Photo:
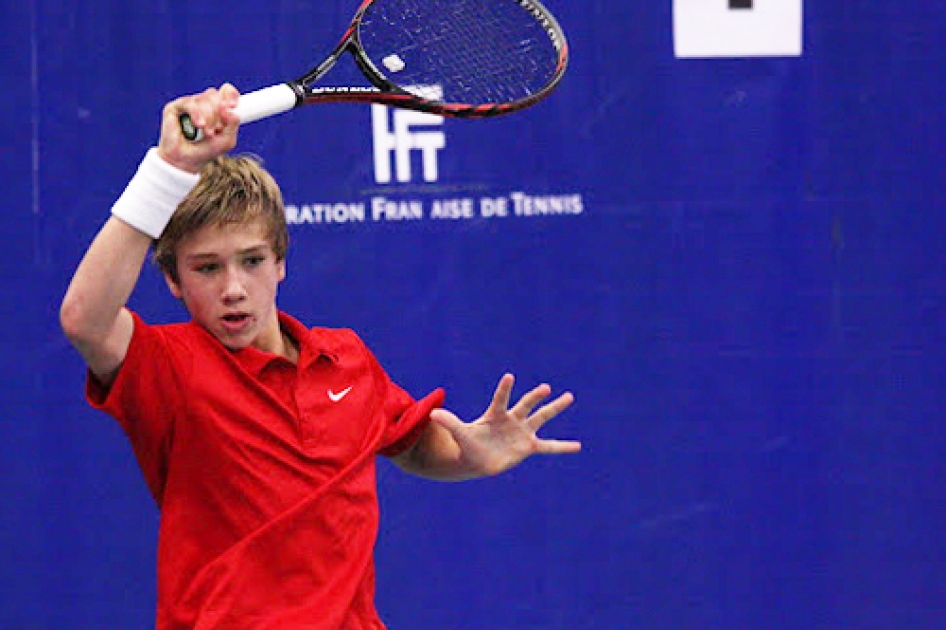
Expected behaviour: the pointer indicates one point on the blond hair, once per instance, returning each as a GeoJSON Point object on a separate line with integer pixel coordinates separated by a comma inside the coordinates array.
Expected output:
{"type": "Point", "coordinates": [233, 190]}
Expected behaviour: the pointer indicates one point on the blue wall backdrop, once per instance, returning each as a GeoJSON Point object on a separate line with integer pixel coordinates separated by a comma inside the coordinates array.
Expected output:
{"type": "Point", "coordinates": [741, 278]}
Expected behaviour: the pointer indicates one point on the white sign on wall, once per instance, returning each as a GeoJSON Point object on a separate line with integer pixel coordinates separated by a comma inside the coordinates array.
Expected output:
{"type": "Point", "coordinates": [737, 28]}
{"type": "Point", "coordinates": [403, 133]}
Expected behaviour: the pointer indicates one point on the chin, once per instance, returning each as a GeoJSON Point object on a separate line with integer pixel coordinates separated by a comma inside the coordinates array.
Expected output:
{"type": "Point", "coordinates": [231, 342]}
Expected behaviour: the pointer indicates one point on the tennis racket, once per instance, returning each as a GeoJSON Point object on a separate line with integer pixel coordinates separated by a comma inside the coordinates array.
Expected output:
{"type": "Point", "coordinates": [456, 58]}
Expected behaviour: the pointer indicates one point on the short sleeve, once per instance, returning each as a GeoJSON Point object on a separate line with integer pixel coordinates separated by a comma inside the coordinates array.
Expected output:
{"type": "Point", "coordinates": [144, 399]}
{"type": "Point", "coordinates": [404, 417]}
{"type": "Point", "coordinates": [406, 428]}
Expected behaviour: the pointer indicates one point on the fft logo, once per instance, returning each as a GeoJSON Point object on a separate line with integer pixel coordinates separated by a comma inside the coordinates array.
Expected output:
{"type": "Point", "coordinates": [737, 28]}
{"type": "Point", "coordinates": [405, 134]}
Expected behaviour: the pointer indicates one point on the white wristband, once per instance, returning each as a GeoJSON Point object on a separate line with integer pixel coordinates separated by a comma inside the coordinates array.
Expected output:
{"type": "Point", "coordinates": [153, 194]}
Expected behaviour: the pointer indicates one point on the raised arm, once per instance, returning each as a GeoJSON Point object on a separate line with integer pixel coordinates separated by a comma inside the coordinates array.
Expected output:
{"type": "Point", "coordinates": [93, 314]}
{"type": "Point", "coordinates": [452, 450]}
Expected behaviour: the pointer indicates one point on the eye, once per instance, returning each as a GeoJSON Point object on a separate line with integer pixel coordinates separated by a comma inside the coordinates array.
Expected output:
{"type": "Point", "coordinates": [207, 268]}
{"type": "Point", "coordinates": [253, 261]}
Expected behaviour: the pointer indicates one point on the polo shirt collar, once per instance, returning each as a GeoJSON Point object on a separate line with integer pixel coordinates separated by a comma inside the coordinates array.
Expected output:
{"type": "Point", "coordinates": [313, 346]}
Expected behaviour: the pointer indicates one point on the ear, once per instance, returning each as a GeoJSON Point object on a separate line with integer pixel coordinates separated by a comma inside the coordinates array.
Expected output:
{"type": "Point", "coordinates": [173, 286]}
{"type": "Point", "coordinates": [281, 269]}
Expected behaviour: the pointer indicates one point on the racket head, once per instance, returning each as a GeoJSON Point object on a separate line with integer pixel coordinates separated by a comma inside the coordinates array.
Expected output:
{"type": "Point", "coordinates": [457, 58]}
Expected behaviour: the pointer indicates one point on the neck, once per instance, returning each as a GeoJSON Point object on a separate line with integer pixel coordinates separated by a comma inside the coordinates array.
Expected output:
{"type": "Point", "coordinates": [290, 350]}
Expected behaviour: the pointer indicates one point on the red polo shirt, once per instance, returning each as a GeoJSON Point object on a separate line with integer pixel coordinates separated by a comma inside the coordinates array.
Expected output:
{"type": "Point", "coordinates": [264, 472]}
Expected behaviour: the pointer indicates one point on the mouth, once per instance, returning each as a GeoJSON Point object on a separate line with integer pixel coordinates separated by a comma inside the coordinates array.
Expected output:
{"type": "Point", "coordinates": [235, 322]}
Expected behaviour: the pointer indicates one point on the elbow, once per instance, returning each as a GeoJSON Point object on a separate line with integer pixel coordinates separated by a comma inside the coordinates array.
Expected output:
{"type": "Point", "coordinates": [70, 318]}
{"type": "Point", "coordinates": [75, 321]}
{"type": "Point", "coordinates": [94, 336]}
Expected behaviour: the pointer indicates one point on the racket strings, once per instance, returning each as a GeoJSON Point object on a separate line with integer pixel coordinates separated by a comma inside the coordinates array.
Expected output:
{"type": "Point", "coordinates": [469, 51]}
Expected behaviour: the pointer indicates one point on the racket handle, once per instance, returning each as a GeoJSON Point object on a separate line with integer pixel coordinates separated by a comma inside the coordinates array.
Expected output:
{"type": "Point", "coordinates": [252, 106]}
{"type": "Point", "coordinates": [267, 102]}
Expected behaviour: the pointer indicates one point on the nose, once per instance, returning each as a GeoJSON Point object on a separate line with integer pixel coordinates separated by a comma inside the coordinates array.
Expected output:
{"type": "Point", "coordinates": [234, 289]}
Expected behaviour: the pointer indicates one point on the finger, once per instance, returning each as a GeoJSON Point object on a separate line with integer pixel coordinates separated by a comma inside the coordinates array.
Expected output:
{"type": "Point", "coordinates": [201, 108]}
{"type": "Point", "coordinates": [500, 400]}
{"type": "Point", "coordinates": [447, 419]}
{"type": "Point", "coordinates": [229, 93]}
{"type": "Point", "coordinates": [230, 97]}
{"type": "Point", "coordinates": [173, 110]}
{"type": "Point", "coordinates": [212, 109]}
{"type": "Point", "coordinates": [528, 402]}
{"type": "Point", "coordinates": [549, 411]}
{"type": "Point", "coordinates": [558, 447]}
{"type": "Point", "coordinates": [217, 110]}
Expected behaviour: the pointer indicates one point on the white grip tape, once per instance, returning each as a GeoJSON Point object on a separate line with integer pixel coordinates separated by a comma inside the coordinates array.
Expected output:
{"type": "Point", "coordinates": [153, 194]}
{"type": "Point", "coordinates": [267, 102]}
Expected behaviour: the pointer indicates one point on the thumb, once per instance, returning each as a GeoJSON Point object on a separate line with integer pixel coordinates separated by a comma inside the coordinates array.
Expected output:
{"type": "Point", "coordinates": [447, 420]}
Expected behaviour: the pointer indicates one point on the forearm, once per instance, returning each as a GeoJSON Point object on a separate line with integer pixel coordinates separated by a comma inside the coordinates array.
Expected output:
{"type": "Point", "coordinates": [436, 455]}
{"type": "Point", "coordinates": [92, 314]}
{"type": "Point", "coordinates": [103, 281]}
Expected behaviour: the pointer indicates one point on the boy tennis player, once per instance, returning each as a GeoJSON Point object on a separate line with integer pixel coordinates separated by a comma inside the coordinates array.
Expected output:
{"type": "Point", "coordinates": [256, 435]}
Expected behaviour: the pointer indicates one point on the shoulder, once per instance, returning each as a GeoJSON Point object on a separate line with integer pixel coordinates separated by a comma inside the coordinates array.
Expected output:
{"type": "Point", "coordinates": [338, 342]}
{"type": "Point", "coordinates": [334, 342]}
{"type": "Point", "coordinates": [177, 338]}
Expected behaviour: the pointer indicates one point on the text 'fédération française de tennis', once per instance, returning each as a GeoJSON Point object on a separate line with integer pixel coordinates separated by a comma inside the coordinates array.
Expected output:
{"type": "Point", "coordinates": [381, 208]}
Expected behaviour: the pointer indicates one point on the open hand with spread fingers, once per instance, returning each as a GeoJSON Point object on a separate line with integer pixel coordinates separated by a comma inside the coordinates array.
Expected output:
{"type": "Point", "coordinates": [504, 436]}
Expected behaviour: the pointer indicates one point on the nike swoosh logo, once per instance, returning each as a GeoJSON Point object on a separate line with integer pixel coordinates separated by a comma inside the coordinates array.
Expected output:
{"type": "Point", "coordinates": [335, 397]}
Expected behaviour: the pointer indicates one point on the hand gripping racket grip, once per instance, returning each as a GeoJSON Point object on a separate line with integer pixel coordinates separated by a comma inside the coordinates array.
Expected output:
{"type": "Point", "coordinates": [252, 106]}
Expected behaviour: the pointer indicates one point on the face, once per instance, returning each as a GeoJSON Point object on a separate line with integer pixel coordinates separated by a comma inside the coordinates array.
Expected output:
{"type": "Point", "coordinates": [228, 280]}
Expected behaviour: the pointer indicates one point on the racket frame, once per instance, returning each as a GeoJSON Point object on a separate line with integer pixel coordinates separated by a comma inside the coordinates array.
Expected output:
{"type": "Point", "coordinates": [282, 97]}
{"type": "Point", "coordinates": [386, 92]}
